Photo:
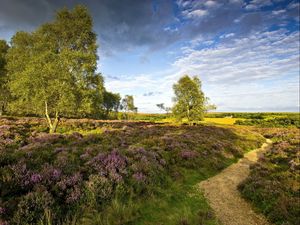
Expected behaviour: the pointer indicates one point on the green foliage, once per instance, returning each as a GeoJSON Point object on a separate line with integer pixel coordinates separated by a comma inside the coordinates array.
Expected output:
{"type": "Point", "coordinates": [151, 117]}
{"type": "Point", "coordinates": [247, 115]}
{"type": "Point", "coordinates": [273, 185]}
{"type": "Point", "coordinates": [189, 99]}
{"type": "Point", "coordinates": [54, 67]}
{"type": "Point", "coordinates": [127, 105]}
{"type": "Point", "coordinates": [4, 92]}
{"type": "Point", "coordinates": [32, 207]}
{"type": "Point", "coordinates": [100, 188]}
{"type": "Point", "coordinates": [208, 106]}
{"type": "Point", "coordinates": [286, 121]}
{"type": "Point", "coordinates": [111, 103]}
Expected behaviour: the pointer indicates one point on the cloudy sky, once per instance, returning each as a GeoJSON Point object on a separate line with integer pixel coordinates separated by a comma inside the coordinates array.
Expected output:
{"type": "Point", "coordinates": [246, 52]}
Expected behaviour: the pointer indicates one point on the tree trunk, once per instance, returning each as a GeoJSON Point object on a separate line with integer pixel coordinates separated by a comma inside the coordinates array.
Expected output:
{"type": "Point", "coordinates": [188, 115]}
{"type": "Point", "coordinates": [52, 125]}
{"type": "Point", "coordinates": [55, 123]}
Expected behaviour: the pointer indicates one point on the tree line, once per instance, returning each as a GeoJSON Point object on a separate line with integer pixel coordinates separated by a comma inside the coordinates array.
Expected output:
{"type": "Point", "coordinates": [51, 72]}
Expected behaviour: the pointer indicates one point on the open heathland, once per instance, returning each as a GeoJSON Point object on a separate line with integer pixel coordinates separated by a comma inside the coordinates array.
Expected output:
{"type": "Point", "coordinates": [112, 172]}
{"type": "Point", "coordinates": [273, 185]}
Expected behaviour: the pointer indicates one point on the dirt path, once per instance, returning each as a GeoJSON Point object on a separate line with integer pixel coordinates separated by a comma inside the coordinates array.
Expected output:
{"type": "Point", "coordinates": [223, 196]}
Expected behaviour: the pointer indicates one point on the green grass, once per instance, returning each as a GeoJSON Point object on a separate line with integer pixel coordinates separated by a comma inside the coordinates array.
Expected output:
{"type": "Point", "coordinates": [181, 203]}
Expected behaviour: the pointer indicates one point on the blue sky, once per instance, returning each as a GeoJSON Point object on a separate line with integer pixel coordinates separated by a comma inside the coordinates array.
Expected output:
{"type": "Point", "coordinates": [245, 52]}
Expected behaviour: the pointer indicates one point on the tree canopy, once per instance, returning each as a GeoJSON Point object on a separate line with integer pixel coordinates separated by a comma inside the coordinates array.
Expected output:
{"type": "Point", "coordinates": [4, 93]}
{"type": "Point", "coordinates": [111, 102]}
{"type": "Point", "coordinates": [189, 99]}
{"type": "Point", "coordinates": [52, 70]}
{"type": "Point", "coordinates": [127, 105]}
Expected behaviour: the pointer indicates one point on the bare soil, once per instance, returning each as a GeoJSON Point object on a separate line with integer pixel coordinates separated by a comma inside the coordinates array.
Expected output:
{"type": "Point", "coordinates": [222, 193]}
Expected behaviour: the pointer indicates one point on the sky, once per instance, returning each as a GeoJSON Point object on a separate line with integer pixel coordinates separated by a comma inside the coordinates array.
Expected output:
{"type": "Point", "coordinates": [246, 52]}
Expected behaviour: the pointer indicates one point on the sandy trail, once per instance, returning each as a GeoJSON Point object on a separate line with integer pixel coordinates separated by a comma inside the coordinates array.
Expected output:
{"type": "Point", "coordinates": [223, 196]}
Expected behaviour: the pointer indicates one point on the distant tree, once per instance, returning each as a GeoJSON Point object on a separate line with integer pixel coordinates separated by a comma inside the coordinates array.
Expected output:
{"type": "Point", "coordinates": [162, 106]}
{"type": "Point", "coordinates": [127, 105]}
{"type": "Point", "coordinates": [168, 109]}
{"type": "Point", "coordinates": [111, 102]}
{"type": "Point", "coordinates": [4, 92]}
{"type": "Point", "coordinates": [189, 99]}
{"type": "Point", "coordinates": [52, 70]}
{"type": "Point", "coordinates": [208, 106]}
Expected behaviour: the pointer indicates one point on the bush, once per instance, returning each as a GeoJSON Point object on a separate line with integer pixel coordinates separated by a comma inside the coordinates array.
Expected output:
{"type": "Point", "coordinates": [275, 122]}
{"type": "Point", "coordinates": [32, 207]}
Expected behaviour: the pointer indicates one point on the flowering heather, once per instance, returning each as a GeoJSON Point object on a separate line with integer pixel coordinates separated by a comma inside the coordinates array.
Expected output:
{"type": "Point", "coordinates": [35, 178]}
{"type": "Point", "coordinates": [273, 184]}
{"type": "Point", "coordinates": [187, 154]}
{"type": "Point", "coordinates": [2, 210]}
{"type": "Point", "coordinates": [4, 130]}
{"type": "Point", "coordinates": [62, 173]}
{"type": "Point", "coordinates": [46, 138]}
{"type": "Point", "coordinates": [74, 195]}
{"type": "Point", "coordinates": [50, 174]}
{"type": "Point", "coordinates": [60, 149]}
{"type": "Point", "coordinates": [112, 165]}
{"type": "Point", "coordinates": [139, 177]}
{"type": "Point", "coordinates": [69, 181]}
{"type": "Point", "coordinates": [100, 187]}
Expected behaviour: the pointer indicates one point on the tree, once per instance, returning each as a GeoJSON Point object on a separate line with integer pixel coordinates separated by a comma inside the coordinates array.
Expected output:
{"type": "Point", "coordinates": [127, 105]}
{"type": "Point", "coordinates": [4, 92]}
{"type": "Point", "coordinates": [208, 106]}
{"type": "Point", "coordinates": [111, 102]}
{"type": "Point", "coordinates": [52, 70]}
{"type": "Point", "coordinates": [189, 99]}
{"type": "Point", "coordinates": [162, 106]}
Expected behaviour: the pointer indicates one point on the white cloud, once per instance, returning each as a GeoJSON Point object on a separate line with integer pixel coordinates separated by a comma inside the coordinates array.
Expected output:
{"type": "Point", "coordinates": [227, 35]}
{"type": "Point", "coordinates": [256, 4]}
{"type": "Point", "coordinates": [210, 3]}
{"type": "Point", "coordinates": [196, 13]}
{"type": "Point", "coordinates": [234, 73]}
{"type": "Point", "coordinates": [255, 73]}
{"type": "Point", "coordinates": [262, 55]}
{"type": "Point", "coordinates": [278, 12]}
{"type": "Point", "coordinates": [283, 95]}
{"type": "Point", "coordinates": [293, 5]}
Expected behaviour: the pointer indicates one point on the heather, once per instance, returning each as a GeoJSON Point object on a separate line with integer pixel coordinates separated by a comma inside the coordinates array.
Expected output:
{"type": "Point", "coordinates": [273, 186]}
{"type": "Point", "coordinates": [100, 172]}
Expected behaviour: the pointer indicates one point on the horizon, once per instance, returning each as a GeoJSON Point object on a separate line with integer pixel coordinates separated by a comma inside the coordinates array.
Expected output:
{"type": "Point", "coordinates": [246, 53]}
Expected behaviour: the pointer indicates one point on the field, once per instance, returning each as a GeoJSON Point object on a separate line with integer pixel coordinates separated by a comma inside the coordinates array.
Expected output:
{"type": "Point", "coordinates": [138, 172]}
{"type": "Point", "coordinates": [247, 119]}
{"type": "Point", "coordinates": [226, 120]}
{"type": "Point", "coordinates": [127, 173]}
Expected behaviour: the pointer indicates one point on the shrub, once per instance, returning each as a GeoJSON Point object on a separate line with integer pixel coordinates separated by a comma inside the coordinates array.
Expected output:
{"type": "Point", "coordinates": [32, 206]}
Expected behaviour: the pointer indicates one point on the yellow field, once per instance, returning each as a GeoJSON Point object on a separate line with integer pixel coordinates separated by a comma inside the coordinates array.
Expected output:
{"type": "Point", "coordinates": [228, 120]}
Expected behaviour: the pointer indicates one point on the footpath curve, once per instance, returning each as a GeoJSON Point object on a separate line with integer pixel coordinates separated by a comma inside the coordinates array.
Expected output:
{"type": "Point", "coordinates": [223, 196]}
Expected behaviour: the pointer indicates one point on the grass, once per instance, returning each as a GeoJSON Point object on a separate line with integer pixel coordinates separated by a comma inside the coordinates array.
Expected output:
{"type": "Point", "coordinates": [181, 203]}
